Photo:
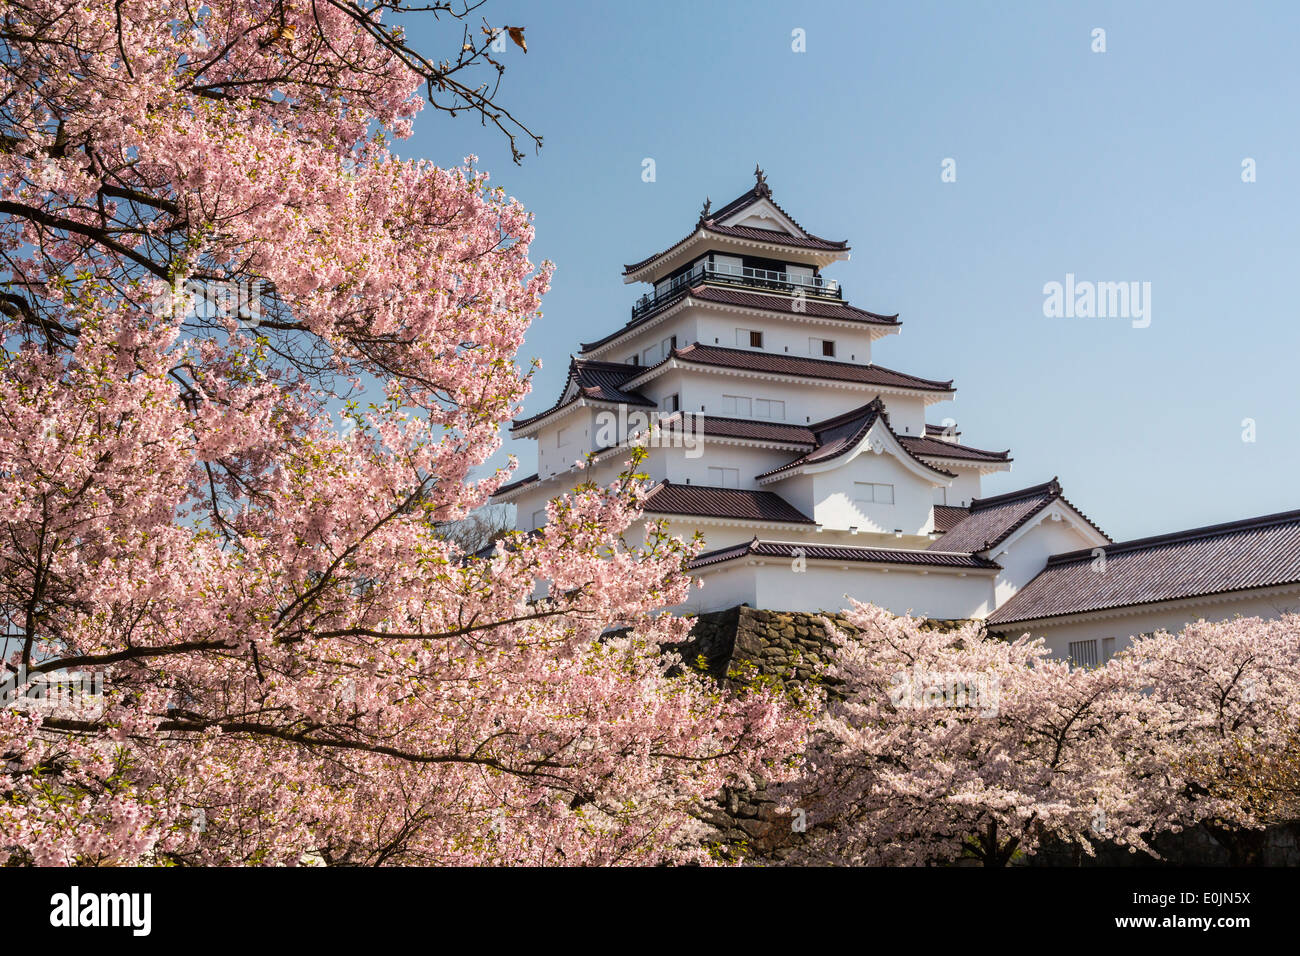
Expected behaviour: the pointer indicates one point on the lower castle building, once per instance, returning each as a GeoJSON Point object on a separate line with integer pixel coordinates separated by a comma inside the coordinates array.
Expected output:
{"type": "Point", "coordinates": [814, 474]}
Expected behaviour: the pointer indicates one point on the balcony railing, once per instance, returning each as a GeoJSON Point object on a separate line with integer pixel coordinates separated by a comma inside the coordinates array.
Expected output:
{"type": "Point", "coordinates": [738, 276]}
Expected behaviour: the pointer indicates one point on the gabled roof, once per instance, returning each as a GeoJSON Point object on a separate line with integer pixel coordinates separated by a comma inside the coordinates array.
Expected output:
{"type": "Point", "coordinates": [814, 552]}
{"type": "Point", "coordinates": [992, 520]}
{"type": "Point", "coordinates": [709, 502]}
{"type": "Point", "coordinates": [595, 381]}
{"type": "Point", "coordinates": [1217, 559]}
{"type": "Point", "coordinates": [771, 363]}
{"type": "Point", "coordinates": [841, 434]}
{"type": "Point", "coordinates": [768, 302]}
{"type": "Point", "coordinates": [760, 191]}
{"type": "Point", "coordinates": [712, 222]}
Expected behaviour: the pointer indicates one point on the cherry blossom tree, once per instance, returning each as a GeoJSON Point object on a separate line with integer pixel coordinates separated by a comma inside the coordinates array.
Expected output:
{"type": "Point", "coordinates": [1229, 699]}
{"type": "Point", "coordinates": [938, 744]}
{"type": "Point", "coordinates": [250, 362]}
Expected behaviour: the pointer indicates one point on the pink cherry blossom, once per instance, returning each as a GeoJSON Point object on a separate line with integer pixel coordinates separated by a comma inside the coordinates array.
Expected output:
{"type": "Point", "coordinates": [211, 253]}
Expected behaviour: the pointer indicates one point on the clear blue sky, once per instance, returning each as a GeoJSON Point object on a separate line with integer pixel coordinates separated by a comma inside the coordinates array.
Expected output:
{"type": "Point", "coordinates": [1115, 166]}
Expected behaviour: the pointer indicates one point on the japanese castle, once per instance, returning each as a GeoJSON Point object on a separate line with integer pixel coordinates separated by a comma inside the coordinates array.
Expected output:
{"type": "Point", "coordinates": [814, 473]}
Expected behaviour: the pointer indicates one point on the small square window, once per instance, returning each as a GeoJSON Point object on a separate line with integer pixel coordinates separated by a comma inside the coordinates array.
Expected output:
{"type": "Point", "coordinates": [755, 339]}
{"type": "Point", "coordinates": [724, 477]}
{"type": "Point", "coordinates": [738, 406]}
{"type": "Point", "coordinates": [1083, 653]}
{"type": "Point", "coordinates": [873, 493]}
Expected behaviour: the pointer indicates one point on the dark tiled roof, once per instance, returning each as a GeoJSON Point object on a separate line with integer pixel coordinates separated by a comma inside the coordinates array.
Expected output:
{"type": "Point", "coordinates": [774, 364]}
{"type": "Point", "coordinates": [779, 303]}
{"type": "Point", "coordinates": [516, 484]}
{"type": "Point", "coordinates": [739, 503]}
{"type": "Point", "coordinates": [754, 300]}
{"type": "Point", "coordinates": [937, 448]}
{"type": "Point", "coordinates": [1239, 555]}
{"type": "Point", "coordinates": [745, 232]}
{"type": "Point", "coordinates": [598, 381]}
{"type": "Point", "coordinates": [746, 428]}
{"type": "Point", "coordinates": [841, 434]}
{"type": "Point", "coordinates": [947, 516]}
{"type": "Point", "coordinates": [777, 237]}
{"type": "Point", "coordinates": [786, 549]}
{"type": "Point", "coordinates": [712, 224]}
{"type": "Point", "coordinates": [601, 381]}
{"type": "Point", "coordinates": [992, 520]}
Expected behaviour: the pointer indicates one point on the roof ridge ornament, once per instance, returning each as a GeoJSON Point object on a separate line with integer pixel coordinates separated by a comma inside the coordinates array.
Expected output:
{"type": "Point", "coordinates": [760, 182]}
{"type": "Point", "coordinates": [704, 213]}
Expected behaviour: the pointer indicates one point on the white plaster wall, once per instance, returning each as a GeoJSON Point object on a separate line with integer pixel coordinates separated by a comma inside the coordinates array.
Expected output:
{"type": "Point", "coordinates": [821, 587]}
{"type": "Point", "coordinates": [683, 324]}
{"type": "Point", "coordinates": [784, 335]}
{"type": "Point", "coordinates": [804, 404]}
{"type": "Point", "coordinates": [723, 590]}
{"type": "Point", "coordinates": [534, 498]}
{"type": "Point", "coordinates": [963, 488]}
{"type": "Point", "coordinates": [1028, 551]}
{"type": "Point", "coordinates": [578, 427]}
{"type": "Point", "coordinates": [749, 462]}
{"type": "Point", "coordinates": [834, 494]}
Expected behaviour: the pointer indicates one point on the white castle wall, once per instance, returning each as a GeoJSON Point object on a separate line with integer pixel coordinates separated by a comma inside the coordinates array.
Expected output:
{"type": "Point", "coordinates": [831, 497]}
{"type": "Point", "coordinates": [824, 587]}
{"type": "Point", "coordinates": [782, 335]}
{"type": "Point", "coordinates": [804, 403]}
{"type": "Point", "coordinates": [1030, 549]}
{"type": "Point", "coordinates": [963, 488]}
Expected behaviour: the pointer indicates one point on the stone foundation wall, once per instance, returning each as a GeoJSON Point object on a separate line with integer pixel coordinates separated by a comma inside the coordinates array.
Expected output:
{"type": "Point", "coordinates": [741, 643]}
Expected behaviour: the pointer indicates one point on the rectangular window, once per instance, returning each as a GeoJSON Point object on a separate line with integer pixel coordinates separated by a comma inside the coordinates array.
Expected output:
{"type": "Point", "coordinates": [768, 408]}
{"type": "Point", "coordinates": [737, 406]}
{"type": "Point", "coordinates": [670, 403]}
{"type": "Point", "coordinates": [539, 518]}
{"type": "Point", "coordinates": [1107, 648]}
{"type": "Point", "coordinates": [651, 355]}
{"type": "Point", "coordinates": [667, 345]}
{"type": "Point", "coordinates": [749, 338]}
{"type": "Point", "coordinates": [873, 493]}
{"type": "Point", "coordinates": [724, 477]}
{"type": "Point", "coordinates": [634, 360]}
{"type": "Point", "coordinates": [728, 265]}
{"type": "Point", "coordinates": [1083, 653]}
{"type": "Point", "coordinates": [562, 437]}
{"type": "Point", "coordinates": [822, 347]}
